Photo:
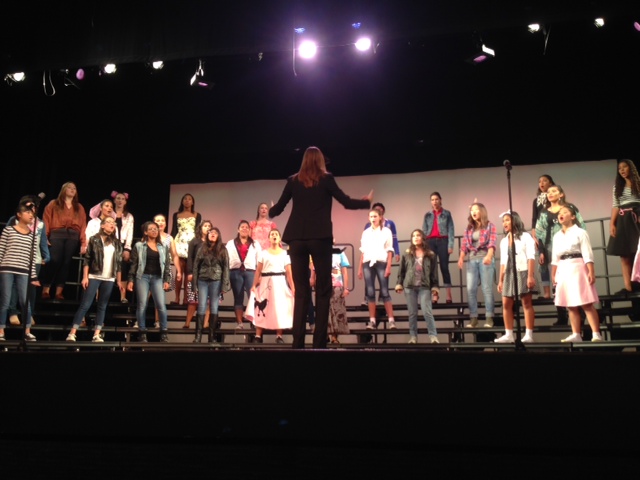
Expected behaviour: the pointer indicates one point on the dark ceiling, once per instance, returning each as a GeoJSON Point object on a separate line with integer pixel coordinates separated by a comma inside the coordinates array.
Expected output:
{"type": "Point", "coordinates": [566, 94]}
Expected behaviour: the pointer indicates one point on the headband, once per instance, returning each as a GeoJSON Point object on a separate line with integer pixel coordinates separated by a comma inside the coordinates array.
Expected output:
{"type": "Point", "coordinates": [114, 193]}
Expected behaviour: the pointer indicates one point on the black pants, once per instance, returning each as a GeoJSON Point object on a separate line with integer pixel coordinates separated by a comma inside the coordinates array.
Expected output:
{"type": "Point", "coordinates": [320, 251]}
{"type": "Point", "coordinates": [65, 243]}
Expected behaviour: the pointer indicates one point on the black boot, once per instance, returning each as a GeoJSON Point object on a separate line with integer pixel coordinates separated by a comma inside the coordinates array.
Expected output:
{"type": "Point", "coordinates": [142, 336]}
{"type": "Point", "coordinates": [163, 336]}
{"type": "Point", "coordinates": [199, 324]}
{"type": "Point", "coordinates": [563, 317]}
{"type": "Point", "coordinates": [213, 326]}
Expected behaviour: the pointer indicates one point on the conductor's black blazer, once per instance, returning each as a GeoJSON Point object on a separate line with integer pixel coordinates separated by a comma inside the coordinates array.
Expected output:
{"type": "Point", "coordinates": [311, 213]}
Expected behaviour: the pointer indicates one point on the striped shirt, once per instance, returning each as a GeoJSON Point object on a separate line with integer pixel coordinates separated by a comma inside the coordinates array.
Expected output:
{"type": "Point", "coordinates": [15, 252]}
{"type": "Point", "coordinates": [626, 198]}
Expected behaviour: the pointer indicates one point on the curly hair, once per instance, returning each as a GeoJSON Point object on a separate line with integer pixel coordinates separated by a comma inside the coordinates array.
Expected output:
{"type": "Point", "coordinates": [621, 182]}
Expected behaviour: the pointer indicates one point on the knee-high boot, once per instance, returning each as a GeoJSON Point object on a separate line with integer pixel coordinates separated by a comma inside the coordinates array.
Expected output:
{"type": "Point", "coordinates": [199, 324]}
{"type": "Point", "coordinates": [213, 326]}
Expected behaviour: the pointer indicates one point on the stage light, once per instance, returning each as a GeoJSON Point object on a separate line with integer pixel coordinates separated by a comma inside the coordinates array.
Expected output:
{"type": "Point", "coordinates": [198, 79]}
{"type": "Point", "coordinates": [363, 44]}
{"type": "Point", "coordinates": [109, 68]}
{"type": "Point", "coordinates": [599, 22]}
{"type": "Point", "coordinates": [534, 27]}
{"type": "Point", "coordinates": [157, 65]}
{"type": "Point", "coordinates": [80, 74]}
{"type": "Point", "coordinates": [12, 78]}
{"type": "Point", "coordinates": [308, 49]}
{"type": "Point", "coordinates": [636, 25]}
{"type": "Point", "coordinates": [483, 54]}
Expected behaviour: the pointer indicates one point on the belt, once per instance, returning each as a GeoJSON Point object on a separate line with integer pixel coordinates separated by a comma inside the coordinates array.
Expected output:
{"type": "Point", "coordinates": [570, 255]}
{"type": "Point", "coordinates": [631, 210]}
{"type": "Point", "coordinates": [272, 274]}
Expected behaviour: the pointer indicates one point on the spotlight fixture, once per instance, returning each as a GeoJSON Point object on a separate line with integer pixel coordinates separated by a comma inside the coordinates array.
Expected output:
{"type": "Point", "coordinates": [308, 49]}
{"type": "Point", "coordinates": [534, 27]}
{"type": "Point", "coordinates": [157, 65]}
{"type": "Point", "coordinates": [599, 22]}
{"type": "Point", "coordinates": [636, 25]}
{"type": "Point", "coordinates": [109, 68]}
{"type": "Point", "coordinates": [12, 78]}
{"type": "Point", "coordinates": [198, 78]}
{"type": "Point", "coordinates": [483, 54]}
{"type": "Point", "coordinates": [363, 44]}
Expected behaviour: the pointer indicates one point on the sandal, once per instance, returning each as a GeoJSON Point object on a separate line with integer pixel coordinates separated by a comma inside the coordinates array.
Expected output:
{"type": "Point", "coordinates": [434, 298]}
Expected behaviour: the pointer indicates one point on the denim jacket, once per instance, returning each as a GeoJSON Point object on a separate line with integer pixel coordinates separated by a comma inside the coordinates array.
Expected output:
{"type": "Point", "coordinates": [407, 271]}
{"type": "Point", "coordinates": [139, 261]}
{"type": "Point", "coordinates": [94, 256]}
{"type": "Point", "coordinates": [445, 225]}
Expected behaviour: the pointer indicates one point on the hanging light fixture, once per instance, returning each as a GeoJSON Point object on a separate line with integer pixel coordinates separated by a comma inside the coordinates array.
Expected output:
{"type": "Point", "coordinates": [198, 79]}
{"type": "Point", "coordinates": [12, 78]}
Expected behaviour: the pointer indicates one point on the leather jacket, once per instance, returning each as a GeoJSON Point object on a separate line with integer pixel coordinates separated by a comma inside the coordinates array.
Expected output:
{"type": "Point", "coordinates": [94, 256]}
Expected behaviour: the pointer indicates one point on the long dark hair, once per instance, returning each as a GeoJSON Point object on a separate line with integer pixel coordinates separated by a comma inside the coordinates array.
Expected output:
{"type": "Point", "coordinates": [548, 177]}
{"type": "Point", "coordinates": [144, 227]}
{"type": "Point", "coordinates": [193, 204]}
{"type": "Point", "coordinates": [214, 247]}
{"type": "Point", "coordinates": [199, 231]}
{"type": "Point", "coordinates": [249, 239]}
{"type": "Point", "coordinates": [517, 225]}
{"type": "Point", "coordinates": [424, 245]}
{"type": "Point", "coordinates": [484, 217]}
{"type": "Point", "coordinates": [621, 183]}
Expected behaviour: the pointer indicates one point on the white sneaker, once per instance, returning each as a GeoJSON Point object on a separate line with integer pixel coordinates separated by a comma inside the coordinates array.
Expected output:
{"type": "Point", "coordinates": [371, 325]}
{"type": "Point", "coordinates": [239, 326]}
{"type": "Point", "coordinates": [433, 339]}
{"type": "Point", "coordinates": [14, 320]}
{"type": "Point", "coordinates": [504, 339]}
{"type": "Point", "coordinates": [527, 338]}
{"type": "Point", "coordinates": [71, 337]}
{"type": "Point", "coordinates": [597, 338]}
{"type": "Point", "coordinates": [97, 339]}
{"type": "Point", "coordinates": [392, 324]}
{"type": "Point", "coordinates": [29, 337]}
{"type": "Point", "coordinates": [573, 338]}
{"type": "Point", "coordinates": [413, 340]}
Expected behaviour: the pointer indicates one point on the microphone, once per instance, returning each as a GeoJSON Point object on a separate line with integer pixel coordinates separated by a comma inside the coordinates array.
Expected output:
{"type": "Point", "coordinates": [507, 164]}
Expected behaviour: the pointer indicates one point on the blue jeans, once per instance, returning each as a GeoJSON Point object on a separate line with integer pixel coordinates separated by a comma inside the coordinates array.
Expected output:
{"type": "Point", "coordinates": [241, 282]}
{"type": "Point", "coordinates": [208, 290]}
{"type": "Point", "coordinates": [104, 289]}
{"type": "Point", "coordinates": [545, 275]}
{"type": "Point", "coordinates": [422, 295]}
{"type": "Point", "coordinates": [440, 246]}
{"type": "Point", "coordinates": [7, 280]}
{"type": "Point", "coordinates": [31, 295]}
{"type": "Point", "coordinates": [370, 273]}
{"type": "Point", "coordinates": [144, 285]}
{"type": "Point", "coordinates": [479, 273]}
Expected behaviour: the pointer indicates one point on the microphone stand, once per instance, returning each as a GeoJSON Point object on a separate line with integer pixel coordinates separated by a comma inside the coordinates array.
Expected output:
{"type": "Point", "coordinates": [512, 247]}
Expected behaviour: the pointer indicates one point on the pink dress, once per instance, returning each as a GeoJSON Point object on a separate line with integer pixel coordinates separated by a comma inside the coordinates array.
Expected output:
{"type": "Point", "coordinates": [260, 232]}
{"type": "Point", "coordinates": [271, 307]}
{"type": "Point", "coordinates": [635, 271]}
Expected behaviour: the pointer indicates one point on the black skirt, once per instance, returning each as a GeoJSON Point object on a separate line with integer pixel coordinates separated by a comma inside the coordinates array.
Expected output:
{"type": "Point", "coordinates": [625, 243]}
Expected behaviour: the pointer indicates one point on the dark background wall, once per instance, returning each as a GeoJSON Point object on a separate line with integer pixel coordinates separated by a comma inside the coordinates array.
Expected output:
{"type": "Point", "coordinates": [415, 105]}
